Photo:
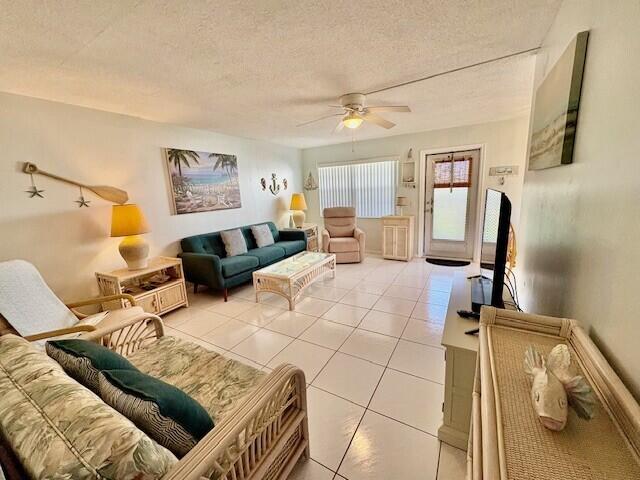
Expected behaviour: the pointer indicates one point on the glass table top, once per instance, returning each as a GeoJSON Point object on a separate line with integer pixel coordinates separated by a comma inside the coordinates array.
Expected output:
{"type": "Point", "coordinates": [295, 264]}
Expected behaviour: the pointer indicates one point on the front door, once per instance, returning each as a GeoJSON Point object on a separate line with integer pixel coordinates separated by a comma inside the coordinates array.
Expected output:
{"type": "Point", "coordinates": [451, 194]}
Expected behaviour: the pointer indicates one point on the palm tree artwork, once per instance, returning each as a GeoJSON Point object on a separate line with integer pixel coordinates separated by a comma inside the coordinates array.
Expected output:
{"type": "Point", "coordinates": [228, 163]}
{"type": "Point", "coordinates": [203, 181]}
{"type": "Point", "coordinates": [179, 157]}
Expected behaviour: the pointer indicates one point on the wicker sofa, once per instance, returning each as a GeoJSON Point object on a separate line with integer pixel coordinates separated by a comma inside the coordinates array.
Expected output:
{"type": "Point", "coordinates": [260, 419]}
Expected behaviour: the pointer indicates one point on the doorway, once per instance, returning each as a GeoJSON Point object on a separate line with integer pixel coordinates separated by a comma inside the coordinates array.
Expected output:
{"type": "Point", "coordinates": [451, 196]}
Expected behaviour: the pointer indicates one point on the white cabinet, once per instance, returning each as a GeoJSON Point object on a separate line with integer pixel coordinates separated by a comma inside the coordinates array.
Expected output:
{"type": "Point", "coordinates": [397, 237]}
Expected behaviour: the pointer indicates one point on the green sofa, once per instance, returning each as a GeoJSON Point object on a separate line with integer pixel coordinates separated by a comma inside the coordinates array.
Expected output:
{"type": "Point", "coordinates": [205, 260]}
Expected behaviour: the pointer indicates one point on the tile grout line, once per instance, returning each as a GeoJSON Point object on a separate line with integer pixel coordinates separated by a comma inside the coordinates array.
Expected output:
{"type": "Point", "coordinates": [367, 407]}
{"type": "Point", "coordinates": [360, 279]}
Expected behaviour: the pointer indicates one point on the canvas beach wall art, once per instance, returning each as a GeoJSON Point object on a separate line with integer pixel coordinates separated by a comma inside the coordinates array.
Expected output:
{"type": "Point", "coordinates": [202, 181]}
{"type": "Point", "coordinates": [555, 111]}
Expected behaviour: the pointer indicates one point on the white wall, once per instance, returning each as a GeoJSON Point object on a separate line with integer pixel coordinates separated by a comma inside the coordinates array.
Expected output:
{"type": "Point", "coordinates": [504, 143]}
{"type": "Point", "coordinates": [69, 244]}
{"type": "Point", "coordinates": [581, 222]}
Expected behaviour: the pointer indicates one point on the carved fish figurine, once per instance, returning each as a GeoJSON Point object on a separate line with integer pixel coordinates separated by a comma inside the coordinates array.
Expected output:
{"type": "Point", "coordinates": [554, 387]}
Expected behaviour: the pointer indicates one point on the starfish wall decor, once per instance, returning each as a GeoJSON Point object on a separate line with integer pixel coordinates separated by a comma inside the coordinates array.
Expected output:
{"type": "Point", "coordinates": [34, 191]}
{"type": "Point", "coordinates": [106, 192]}
{"type": "Point", "coordinates": [81, 201]}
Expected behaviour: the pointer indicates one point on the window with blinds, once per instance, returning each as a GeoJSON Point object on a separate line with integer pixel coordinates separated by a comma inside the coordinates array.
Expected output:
{"type": "Point", "coordinates": [451, 184]}
{"type": "Point", "coordinates": [369, 187]}
{"type": "Point", "coordinates": [452, 172]}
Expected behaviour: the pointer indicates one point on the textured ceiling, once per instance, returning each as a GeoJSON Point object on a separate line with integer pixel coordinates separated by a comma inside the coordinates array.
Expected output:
{"type": "Point", "coordinates": [258, 68]}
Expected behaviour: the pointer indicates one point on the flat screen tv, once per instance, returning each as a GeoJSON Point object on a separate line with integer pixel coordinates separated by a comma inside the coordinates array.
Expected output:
{"type": "Point", "coordinates": [495, 240]}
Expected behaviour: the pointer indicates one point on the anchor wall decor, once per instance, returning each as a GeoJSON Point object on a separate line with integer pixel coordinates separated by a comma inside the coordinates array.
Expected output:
{"type": "Point", "coordinates": [274, 187]}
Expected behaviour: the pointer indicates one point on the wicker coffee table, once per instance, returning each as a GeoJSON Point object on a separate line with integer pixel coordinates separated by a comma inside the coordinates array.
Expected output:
{"type": "Point", "coordinates": [290, 277]}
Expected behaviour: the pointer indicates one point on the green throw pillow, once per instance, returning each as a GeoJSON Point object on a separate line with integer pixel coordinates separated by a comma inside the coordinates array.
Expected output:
{"type": "Point", "coordinates": [165, 413]}
{"type": "Point", "coordinates": [83, 360]}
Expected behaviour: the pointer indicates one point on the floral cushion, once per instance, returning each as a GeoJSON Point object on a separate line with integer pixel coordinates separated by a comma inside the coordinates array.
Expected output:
{"type": "Point", "coordinates": [59, 429]}
{"type": "Point", "coordinates": [215, 382]}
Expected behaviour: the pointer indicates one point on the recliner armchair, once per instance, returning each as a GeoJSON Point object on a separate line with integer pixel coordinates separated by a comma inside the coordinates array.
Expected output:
{"type": "Point", "coordinates": [341, 235]}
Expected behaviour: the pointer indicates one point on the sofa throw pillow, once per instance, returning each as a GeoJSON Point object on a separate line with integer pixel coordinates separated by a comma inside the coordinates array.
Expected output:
{"type": "Point", "coordinates": [234, 242]}
{"type": "Point", "coordinates": [83, 360]}
{"type": "Point", "coordinates": [165, 413]}
{"type": "Point", "coordinates": [262, 234]}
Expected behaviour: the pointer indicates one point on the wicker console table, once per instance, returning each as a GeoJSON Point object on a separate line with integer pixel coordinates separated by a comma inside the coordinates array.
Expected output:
{"type": "Point", "coordinates": [509, 442]}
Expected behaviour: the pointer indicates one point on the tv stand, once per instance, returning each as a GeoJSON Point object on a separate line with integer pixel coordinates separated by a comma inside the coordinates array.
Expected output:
{"type": "Point", "coordinates": [460, 365]}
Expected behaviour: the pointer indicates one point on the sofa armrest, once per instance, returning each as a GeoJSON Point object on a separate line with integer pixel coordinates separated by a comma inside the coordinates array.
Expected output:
{"type": "Point", "coordinates": [129, 335]}
{"type": "Point", "coordinates": [97, 300]}
{"type": "Point", "coordinates": [326, 238]}
{"type": "Point", "coordinates": [269, 424]}
{"type": "Point", "coordinates": [59, 332]}
{"type": "Point", "coordinates": [202, 269]}
{"type": "Point", "coordinates": [293, 235]}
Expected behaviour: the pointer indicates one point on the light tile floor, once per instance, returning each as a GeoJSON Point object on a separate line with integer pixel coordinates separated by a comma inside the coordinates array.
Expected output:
{"type": "Point", "coordinates": [369, 344]}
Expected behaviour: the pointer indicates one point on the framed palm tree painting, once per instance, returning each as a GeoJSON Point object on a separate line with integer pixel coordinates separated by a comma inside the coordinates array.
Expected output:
{"type": "Point", "coordinates": [202, 181]}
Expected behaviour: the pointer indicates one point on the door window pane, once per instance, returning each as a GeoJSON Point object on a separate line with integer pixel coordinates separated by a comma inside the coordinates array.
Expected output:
{"type": "Point", "coordinates": [450, 213]}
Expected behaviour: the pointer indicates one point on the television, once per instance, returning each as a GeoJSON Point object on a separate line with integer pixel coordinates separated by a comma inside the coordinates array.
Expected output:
{"type": "Point", "coordinates": [487, 288]}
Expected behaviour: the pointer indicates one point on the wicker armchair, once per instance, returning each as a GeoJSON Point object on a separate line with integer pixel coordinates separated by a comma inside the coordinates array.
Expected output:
{"type": "Point", "coordinates": [30, 309]}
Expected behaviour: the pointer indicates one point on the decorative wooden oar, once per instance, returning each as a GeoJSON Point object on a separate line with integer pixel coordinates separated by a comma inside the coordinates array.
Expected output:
{"type": "Point", "coordinates": [110, 194]}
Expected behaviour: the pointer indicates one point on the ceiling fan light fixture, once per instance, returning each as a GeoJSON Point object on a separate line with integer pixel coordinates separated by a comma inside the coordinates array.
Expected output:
{"type": "Point", "coordinates": [352, 120]}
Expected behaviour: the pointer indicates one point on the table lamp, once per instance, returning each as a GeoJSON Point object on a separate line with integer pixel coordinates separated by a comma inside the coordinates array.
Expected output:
{"type": "Point", "coordinates": [402, 202]}
{"type": "Point", "coordinates": [128, 221]}
{"type": "Point", "coordinates": [298, 206]}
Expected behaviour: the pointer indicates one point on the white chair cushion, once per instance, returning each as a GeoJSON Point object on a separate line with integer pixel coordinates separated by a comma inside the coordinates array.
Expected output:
{"type": "Point", "coordinates": [27, 303]}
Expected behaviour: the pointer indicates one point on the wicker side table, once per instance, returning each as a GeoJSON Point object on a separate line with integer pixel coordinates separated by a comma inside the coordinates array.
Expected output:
{"type": "Point", "coordinates": [158, 289]}
{"type": "Point", "coordinates": [311, 229]}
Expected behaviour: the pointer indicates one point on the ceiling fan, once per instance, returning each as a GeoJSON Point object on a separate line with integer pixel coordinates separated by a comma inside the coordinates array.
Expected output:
{"type": "Point", "coordinates": [355, 111]}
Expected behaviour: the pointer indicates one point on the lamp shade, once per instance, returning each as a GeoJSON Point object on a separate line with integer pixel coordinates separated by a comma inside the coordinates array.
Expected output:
{"type": "Point", "coordinates": [298, 202]}
{"type": "Point", "coordinates": [128, 220]}
{"type": "Point", "coordinates": [402, 202]}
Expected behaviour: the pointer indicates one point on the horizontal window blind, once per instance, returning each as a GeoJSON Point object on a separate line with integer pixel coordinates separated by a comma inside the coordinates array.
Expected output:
{"type": "Point", "coordinates": [369, 187]}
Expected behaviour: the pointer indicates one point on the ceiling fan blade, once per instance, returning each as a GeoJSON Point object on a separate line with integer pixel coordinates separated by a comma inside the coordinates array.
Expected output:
{"type": "Point", "coordinates": [389, 108]}
{"type": "Point", "coordinates": [378, 120]}
{"type": "Point", "coordinates": [318, 119]}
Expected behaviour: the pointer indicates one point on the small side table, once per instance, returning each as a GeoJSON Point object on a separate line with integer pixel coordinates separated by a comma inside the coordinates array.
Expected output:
{"type": "Point", "coordinates": [158, 289]}
{"type": "Point", "coordinates": [311, 229]}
